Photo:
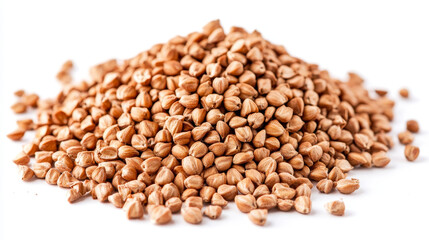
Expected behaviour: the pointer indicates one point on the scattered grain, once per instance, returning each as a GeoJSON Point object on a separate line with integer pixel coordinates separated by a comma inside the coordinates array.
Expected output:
{"type": "Point", "coordinates": [335, 207]}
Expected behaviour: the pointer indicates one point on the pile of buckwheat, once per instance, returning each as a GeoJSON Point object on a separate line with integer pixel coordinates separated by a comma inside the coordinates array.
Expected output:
{"type": "Point", "coordinates": [205, 119]}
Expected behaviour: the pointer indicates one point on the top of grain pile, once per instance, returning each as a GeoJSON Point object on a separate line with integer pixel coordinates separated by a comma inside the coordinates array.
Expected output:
{"type": "Point", "coordinates": [207, 117]}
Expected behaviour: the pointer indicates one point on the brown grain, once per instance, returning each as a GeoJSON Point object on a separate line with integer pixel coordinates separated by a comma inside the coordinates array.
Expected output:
{"type": "Point", "coordinates": [411, 152]}
{"type": "Point", "coordinates": [404, 93]}
{"type": "Point", "coordinates": [258, 216]}
{"type": "Point", "coordinates": [336, 208]}
{"type": "Point", "coordinates": [413, 126]}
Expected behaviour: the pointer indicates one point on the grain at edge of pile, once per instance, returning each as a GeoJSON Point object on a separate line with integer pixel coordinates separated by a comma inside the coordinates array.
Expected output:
{"type": "Point", "coordinates": [16, 135]}
{"type": "Point", "coordinates": [381, 92]}
{"type": "Point", "coordinates": [348, 186]}
{"type": "Point", "coordinates": [192, 215]}
{"type": "Point", "coordinates": [161, 215]}
{"type": "Point", "coordinates": [258, 216]}
{"type": "Point", "coordinates": [25, 172]}
{"type": "Point", "coordinates": [213, 211]}
{"type": "Point", "coordinates": [303, 204]}
{"type": "Point", "coordinates": [19, 93]}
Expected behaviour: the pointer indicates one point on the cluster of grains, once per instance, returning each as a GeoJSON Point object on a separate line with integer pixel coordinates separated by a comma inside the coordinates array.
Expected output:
{"type": "Point", "coordinates": [411, 152]}
{"type": "Point", "coordinates": [202, 120]}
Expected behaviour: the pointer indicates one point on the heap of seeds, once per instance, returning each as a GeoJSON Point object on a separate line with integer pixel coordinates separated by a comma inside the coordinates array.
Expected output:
{"type": "Point", "coordinates": [202, 120]}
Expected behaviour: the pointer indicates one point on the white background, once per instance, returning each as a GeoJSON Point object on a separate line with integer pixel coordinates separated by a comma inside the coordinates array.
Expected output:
{"type": "Point", "coordinates": [387, 42]}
